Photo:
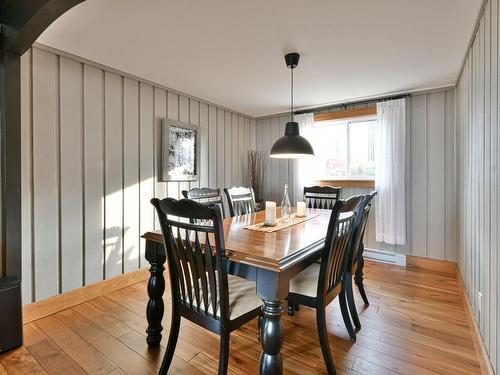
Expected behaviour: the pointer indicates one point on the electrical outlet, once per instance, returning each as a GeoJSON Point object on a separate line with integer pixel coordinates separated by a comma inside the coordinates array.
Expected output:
{"type": "Point", "coordinates": [480, 301]}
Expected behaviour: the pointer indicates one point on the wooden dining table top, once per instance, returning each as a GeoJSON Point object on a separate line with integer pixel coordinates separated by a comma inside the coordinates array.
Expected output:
{"type": "Point", "coordinates": [275, 251]}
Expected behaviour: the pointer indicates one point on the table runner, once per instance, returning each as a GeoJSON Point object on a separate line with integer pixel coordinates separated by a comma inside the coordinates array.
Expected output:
{"type": "Point", "coordinates": [280, 224]}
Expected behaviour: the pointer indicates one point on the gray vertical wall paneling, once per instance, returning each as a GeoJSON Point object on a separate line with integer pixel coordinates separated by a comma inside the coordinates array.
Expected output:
{"type": "Point", "coordinates": [228, 149]}
{"type": "Point", "coordinates": [235, 157]}
{"type": "Point", "coordinates": [220, 148]}
{"type": "Point", "coordinates": [241, 165]}
{"type": "Point", "coordinates": [93, 141]}
{"type": "Point", "coordinates": [485, 202]}
{"type": "Point", "coordinates": [160, 113]}
{"type": "Point", "coordinates": [71, 199]}
{"type": "Point", "coordinates": [274, 164]}
{"type": "Point", "coordinates": [212, 146]}
{"type": "Point", "coordinates": [266, 144]}
{"type": "Point", "coordinates": [283, 163]}
{"type": "Point", "coordinates": [194, 118]}
{"type": "Point", "coordinates": [125, 114]}
{"type": "Point", "coordinates": [494, 142]}
{"type": "Point", "coordinates": [46, 173]}
{"type": "Point", "coordinates": [419, 174]}
{"type": "Point", "coordinates": [249, 133]}
{"type": "Point", "coordinates": [131, 195]}
{"type": "Point", "coordinates": [204, 146]}
{"type": "Point", "coordinates": [173, 114]}
{"type": "Point", "coordinates": [146, 164]}
{"type": "Point", "coordinates": [183, 116]}
{"type": "Point", "coordinates": [435, 176]}
{"type": "Point", "coordinates": [451, 229]}
{"type": "Point", "coordinates": [478, 177]}
{"type": "Point", "coordinates": [113, 174]}
{"type": "Point", "coordinates": [26, 177]}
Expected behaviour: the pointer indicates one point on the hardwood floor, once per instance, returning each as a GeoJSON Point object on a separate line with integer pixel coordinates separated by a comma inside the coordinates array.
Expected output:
{"type": "Point", "coordinates": [416, 324]}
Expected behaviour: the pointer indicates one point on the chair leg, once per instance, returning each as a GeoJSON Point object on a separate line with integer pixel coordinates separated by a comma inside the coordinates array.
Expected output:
{"type": "Point", "coordinates": [350, 300]}
{"type": "Point", "coordinates": [292, 308]}
{"type": "Point", "coordinates": [345, 315]}
{"type": "Point", "coordinates": [358, 279]}
{"type": "Point", "coordinates": [224, 353]}
{"type": "Point", "coordinates": [323, 340]}
{"type": "Point", "coordinates": [172, 342]}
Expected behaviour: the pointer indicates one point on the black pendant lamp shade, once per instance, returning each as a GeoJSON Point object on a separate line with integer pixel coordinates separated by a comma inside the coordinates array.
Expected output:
{"type": "Point", "coordinates": [292, 144]}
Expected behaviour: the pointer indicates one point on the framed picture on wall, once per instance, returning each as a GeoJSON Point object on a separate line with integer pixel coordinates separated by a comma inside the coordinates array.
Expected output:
{"type": "Point", "coordinates": [180, 152]}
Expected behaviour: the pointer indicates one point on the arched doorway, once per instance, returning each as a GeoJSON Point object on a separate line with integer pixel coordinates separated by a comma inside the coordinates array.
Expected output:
{"type": "Point", "coordinates": [22, 22]}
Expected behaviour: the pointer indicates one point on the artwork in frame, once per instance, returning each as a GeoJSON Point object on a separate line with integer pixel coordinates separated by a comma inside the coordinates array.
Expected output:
{"type": "Point", "coordinates": [180, 151]}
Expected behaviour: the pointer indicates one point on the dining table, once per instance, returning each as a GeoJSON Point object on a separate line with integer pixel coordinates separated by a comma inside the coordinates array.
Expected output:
{"type": "Point", "coordinates": [270, 259]}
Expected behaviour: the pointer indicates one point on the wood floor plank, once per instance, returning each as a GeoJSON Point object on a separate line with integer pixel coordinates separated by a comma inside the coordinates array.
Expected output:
{"type": "Point", "coordinates": [106, 321]}
{"type": "Point", "coordinates": [87, 357]}
{"type": "Point", "coordinates": [124, 357]}
{"type": "Point", "coordinates": [21, 362]}
{"type": "Point", "coordinates": [48, 354]}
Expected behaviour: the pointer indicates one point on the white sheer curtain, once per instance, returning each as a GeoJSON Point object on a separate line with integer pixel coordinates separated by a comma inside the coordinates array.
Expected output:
{"type": "Point", "coordinates": [304, 167]}
{"type": "Point", "coordinates": [390, 212]}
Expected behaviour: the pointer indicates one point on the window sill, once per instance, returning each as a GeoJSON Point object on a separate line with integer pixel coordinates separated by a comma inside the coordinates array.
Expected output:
{"type": "Point", "coordinates": [348, 183]}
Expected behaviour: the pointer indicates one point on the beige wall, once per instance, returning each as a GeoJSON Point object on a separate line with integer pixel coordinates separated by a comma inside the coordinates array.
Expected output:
{"type": "Point", "coordinates": [478, 141]}
{"type": "Point", "coordinates": [430, 165]}
{"type": "Point", "coordinates": [90, 158]}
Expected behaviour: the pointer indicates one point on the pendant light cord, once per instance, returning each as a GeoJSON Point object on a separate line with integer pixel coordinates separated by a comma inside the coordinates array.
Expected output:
{"type": "Point", "coordinates": [291, 98]}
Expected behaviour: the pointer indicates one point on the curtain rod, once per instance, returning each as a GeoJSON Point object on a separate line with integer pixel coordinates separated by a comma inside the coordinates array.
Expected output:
{"type": "Point", "coordinates": [344, 105]}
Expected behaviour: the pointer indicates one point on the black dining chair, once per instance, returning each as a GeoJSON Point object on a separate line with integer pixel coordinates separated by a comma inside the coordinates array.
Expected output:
{"type": "Point", "coordinates": [206, 196]}
{"type": "Point", "coordinates": [202, 290]}
{"type": "Point", "coordinates": [322, 197]}
{"type": "Point", "coordinates": [319, 284]}
{"type": "Point", "coordinates": [356, 256]}
{"type": "Point", "coordinates": [241, 200]}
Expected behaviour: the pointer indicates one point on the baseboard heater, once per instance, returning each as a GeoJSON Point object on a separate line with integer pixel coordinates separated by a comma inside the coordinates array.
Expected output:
{"type": "Point", "coordinates": [385, 256]}
{"type": "Point", "coordinates": [11, 329]}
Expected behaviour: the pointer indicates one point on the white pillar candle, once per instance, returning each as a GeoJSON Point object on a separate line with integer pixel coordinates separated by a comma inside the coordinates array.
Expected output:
{"type": "Point", "coordinates": [301, 209]}
{"type": "Point", "coordinates": [270, 213]}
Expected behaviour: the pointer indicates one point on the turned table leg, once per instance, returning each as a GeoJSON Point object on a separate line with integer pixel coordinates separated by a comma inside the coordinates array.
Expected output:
{"type": "Point", "coordinates": [272, 288]}
{"type": "Point", "coordinates": [271, 338]}
{"type": "Point", "coordinates": [155, 255]}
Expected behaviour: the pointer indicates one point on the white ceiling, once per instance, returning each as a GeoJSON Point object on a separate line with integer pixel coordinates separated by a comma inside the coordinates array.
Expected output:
{"type": "Point", "coordinates": [230, 52]}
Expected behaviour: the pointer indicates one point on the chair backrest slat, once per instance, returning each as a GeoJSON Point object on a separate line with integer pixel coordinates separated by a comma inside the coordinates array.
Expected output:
{"type": "Point", "coordinates": [200, 261]}
{"type": "Point", "coordinates": [184, 262]}
{"type": "Point", "coordinates": [241, 200]}
{"type": "Point", "coordinates": [211, 276]}
{"type": "Point", "coordinates": [194, 269]}
{"type": "Point", "coordinates": [321, 197]}
{"type": "Point", "coordinates": [195, 252]}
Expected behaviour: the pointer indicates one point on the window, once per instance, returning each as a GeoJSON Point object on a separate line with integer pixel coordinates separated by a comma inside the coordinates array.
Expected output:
{"type": "Point", "coordinates": [345, 148]}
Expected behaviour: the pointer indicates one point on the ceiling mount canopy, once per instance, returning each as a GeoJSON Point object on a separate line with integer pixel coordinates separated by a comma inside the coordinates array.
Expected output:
{"type": "Point", "coordinates": [292, 144]}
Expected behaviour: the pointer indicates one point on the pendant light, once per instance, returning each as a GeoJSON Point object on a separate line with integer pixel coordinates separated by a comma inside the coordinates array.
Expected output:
{"type": "Point", "coordinates": [292, 145]}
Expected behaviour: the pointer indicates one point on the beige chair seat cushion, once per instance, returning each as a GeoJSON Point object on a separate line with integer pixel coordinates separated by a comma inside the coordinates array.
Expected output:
{"type": "Point", "coordinates": [306, 282]}
{"type": "Point", "coordinates": [242, 297]}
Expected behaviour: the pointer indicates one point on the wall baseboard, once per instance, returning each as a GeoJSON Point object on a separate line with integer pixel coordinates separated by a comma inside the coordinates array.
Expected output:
{"type": "Point", "coordinates": [482, 354]}
{"type": "Point", "coordinates": [437, 265]}
{"type": "Point", "coordinates": [385, 256]}
{"type": "Point", "coordinates": [52, 305]}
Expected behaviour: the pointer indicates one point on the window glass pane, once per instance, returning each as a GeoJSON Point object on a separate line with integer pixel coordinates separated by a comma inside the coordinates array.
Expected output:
{"type": "Point", "coordinates": [330, 146]}
{"type": "Point", "coordinates": [362, 149]}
